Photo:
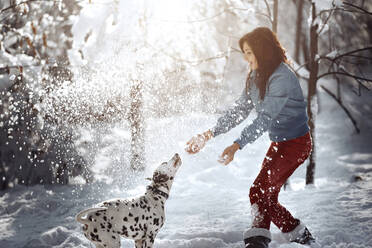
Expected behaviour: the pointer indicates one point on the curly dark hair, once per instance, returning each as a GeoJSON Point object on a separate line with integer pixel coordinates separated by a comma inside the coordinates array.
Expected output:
{"type": "Point", "coordinates": [268, 52]}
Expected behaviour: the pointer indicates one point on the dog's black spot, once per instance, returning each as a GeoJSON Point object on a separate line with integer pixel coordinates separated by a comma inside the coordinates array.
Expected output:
{"type": "Point", "coordinates": [95, 230]}
{"type": "Point", "coordinates": [94, 237]}
{"type": "Point", "coordinates": [113, 237]}
{"type": "Point", "coordinates": [124, 231]}
{"type": "Point", "coordinates": [136, 219]}
{"type": "Point", "coordinates": [104, 218]}
{"type": "Point", "coordinates": [156, 221]}
{"type": "Point", "coordinates": [98, 214]}
{"type": "Point", "coordinates": [109, 225]}
{"type": "Point", "coordinates": [148, 208]}
{"type": "Point", "coordinates": [102, 226]}
{"type": "Point", "coordinates": [131, 228]}
{"type": "Point", "coordinates": [130, 214]}
{"type": "Point", "coordinates": [134, 235]}
{"type": "Point", "coordinates": [143, 217]}
{"type": "Point", "coordinates": [125, 219]}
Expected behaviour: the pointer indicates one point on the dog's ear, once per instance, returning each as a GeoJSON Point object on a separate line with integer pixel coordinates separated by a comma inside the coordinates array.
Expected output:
{"type": "Point", "coordinates": [159, 178]}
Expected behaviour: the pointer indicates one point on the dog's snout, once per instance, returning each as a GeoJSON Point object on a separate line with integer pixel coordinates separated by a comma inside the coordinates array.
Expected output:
{"type": "Point", "coordinates": [177, 160]}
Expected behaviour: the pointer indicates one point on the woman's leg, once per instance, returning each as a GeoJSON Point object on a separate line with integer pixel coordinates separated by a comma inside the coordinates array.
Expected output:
{"type": "Point", "coordinates": [281, 160]}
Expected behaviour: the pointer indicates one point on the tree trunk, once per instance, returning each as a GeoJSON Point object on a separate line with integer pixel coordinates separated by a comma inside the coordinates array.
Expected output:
{"type": "Point", "coordinates": [136, 120]}
{"type": "Point", "coordinates": [314, 68]}
{"type": "Point", "coordinates": [275, 16]}
{"type": "Point", "coordinates": [300, 5]}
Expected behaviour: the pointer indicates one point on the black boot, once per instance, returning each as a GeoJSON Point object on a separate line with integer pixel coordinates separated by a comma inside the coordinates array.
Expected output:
{"type": "Point", "coordinates": [257, 242]}
{"type": "Point", "coordinates": [305, 238]}
{"type": "Point", "coordinates": [257, 238]}
{"type": "Point", "coordinates": [301, 235]}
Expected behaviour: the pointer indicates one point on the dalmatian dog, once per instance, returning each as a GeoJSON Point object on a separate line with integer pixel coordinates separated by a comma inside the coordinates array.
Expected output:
{"type": "Point", "coordinates": [139, 219]}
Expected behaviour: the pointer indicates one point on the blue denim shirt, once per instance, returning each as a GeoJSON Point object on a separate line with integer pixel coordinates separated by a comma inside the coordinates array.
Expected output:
{"type": "Point", "coordinates": [282, 112]}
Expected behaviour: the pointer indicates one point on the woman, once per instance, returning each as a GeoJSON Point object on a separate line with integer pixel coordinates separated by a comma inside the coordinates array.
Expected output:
{"type": "Point", "coordinates": [274, 91]}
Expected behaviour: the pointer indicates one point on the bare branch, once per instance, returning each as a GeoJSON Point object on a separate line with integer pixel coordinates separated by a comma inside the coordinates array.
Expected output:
{"type": "Point", "coordinates": [343, 107]}
{"type": "Point", "coordinates": [265, 15]}
{"type": "Point", "coordinates": [268, 10]}
{"type": "Point", "coordinates": [353, 51]}
{"type": "Point", "coordinates": [345, 74]}
{"type": "Point", "coordinates": [361, 10]}
{"type": "Point", "coordinates": [360, 82]}
{"type": "Point", "coordinates": [360, 57]}
{"type": "Point", "coordinates": [350, 53]}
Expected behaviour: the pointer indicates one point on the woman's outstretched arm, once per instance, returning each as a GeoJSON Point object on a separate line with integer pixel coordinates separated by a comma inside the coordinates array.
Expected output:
{"type": "Point", "coordinates": [234, 115]}
{"type": "Point", "coordinates": [230, 119]}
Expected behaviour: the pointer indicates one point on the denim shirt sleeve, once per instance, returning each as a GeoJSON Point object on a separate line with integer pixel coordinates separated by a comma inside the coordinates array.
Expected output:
{"type": "Point", "coordinates": [235, 115]}
{"type": "Point", "coordinates": [274, 101]}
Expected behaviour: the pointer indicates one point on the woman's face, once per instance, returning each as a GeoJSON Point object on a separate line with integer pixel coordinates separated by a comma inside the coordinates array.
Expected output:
{"type": "Point", "coordinates": [249, 56]}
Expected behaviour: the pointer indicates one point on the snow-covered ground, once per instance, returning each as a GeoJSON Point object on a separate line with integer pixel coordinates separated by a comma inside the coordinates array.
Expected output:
{"type": "Point", "coordinates": [209, 205]}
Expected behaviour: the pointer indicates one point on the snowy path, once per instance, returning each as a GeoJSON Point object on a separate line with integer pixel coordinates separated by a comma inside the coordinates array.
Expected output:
{"type": "Point", "coordinates": [209, 205]}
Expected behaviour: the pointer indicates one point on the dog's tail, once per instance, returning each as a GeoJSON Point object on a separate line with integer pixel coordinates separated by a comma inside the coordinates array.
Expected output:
{"type": "Point", "coordinates": [79, 217]}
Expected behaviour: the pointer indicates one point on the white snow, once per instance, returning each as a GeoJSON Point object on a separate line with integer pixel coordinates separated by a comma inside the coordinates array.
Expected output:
{"type": "Point", "coordinates": [332, 54]}
{"type": "Point", "coordinates": [209, 204]}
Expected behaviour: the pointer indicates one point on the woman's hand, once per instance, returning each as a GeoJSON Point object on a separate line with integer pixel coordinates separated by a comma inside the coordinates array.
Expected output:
{"type": "Point", "coordinates": [228, 154]}
{"type": "Point", "coordinates": [196, 143]}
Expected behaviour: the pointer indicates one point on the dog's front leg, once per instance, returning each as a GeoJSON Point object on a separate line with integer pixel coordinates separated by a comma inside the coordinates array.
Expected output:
{"type": "Point", "coordinates": [144, 243]}
{"type": "Point", "coordinates": [139, 243]}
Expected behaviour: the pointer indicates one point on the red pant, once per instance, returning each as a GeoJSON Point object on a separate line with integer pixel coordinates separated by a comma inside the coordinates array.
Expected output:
{"type": "Point", "coordinates": [281, 160]}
